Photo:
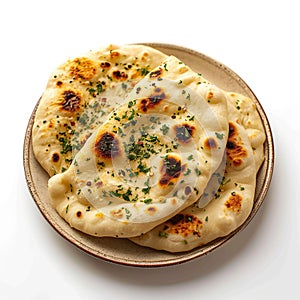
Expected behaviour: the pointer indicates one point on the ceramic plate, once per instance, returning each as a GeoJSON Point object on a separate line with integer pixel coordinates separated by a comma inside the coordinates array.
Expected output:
{"type": "Point", "coordinates": [123, 251]}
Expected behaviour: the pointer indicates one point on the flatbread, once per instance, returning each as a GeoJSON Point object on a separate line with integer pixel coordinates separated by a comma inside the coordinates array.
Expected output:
{"type": "Point", "coordinates": [230, 207]}
{"type": "Point", "coordinates": [79, 96]}
{"type": "Point", "coordinates": [150, 159]}
{"type": "Point", "coordinates": [242, 109]}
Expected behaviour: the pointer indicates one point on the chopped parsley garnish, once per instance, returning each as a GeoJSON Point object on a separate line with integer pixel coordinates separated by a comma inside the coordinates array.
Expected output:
{"type": "Point", "coordinates": [198, 172]}
{"type": "Point", "coordinates": [127, 212]}
{"type": "Point", "coordinates": [147, 201]}
{"type": "Point", "coordinates": [146, 190]}
{"type": "Point", "coordinates": [99, 88]}
{"type": "Point", "coordinates": [165, 129]}
{"type": "Point", "coordinates": [144, 71]}
{"type": "Point", "coordinates": [163, 234]}
{"type": "Point", "coordinates": [126, 195]}
{"type": "Point", "coordinates": [66, 146]}
{"type": "Point", "coordinates": [220, 136]}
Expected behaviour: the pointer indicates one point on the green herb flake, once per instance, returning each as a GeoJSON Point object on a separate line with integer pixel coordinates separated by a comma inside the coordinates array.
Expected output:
{"type": "Point", "coordinates": [198, 172]}
{"type": "Point", "coordinates": [66, 146]}
{"type": "Point", "coordinates": [115, 194]}
{"type": "Point", "coordinates": [126, 195]}
{"type": "Point", "coordinates": [132, 115]}
{"type": "Point", "coordinates": [163, 234]}
{"type": "Point", "coordinates": [165, 129]}
{"type": "Point", "coordinates": [144, 71]}
{"type": "Point", "coordinates": [143, 168]}
{"type": "Point", "coordinates": [128, 213]}
{"type": "Point", "coordinates": [147, 201]}
{"type": "Point", "coordinates": [220, 136]}
{"type": "Point", "coordinates": [187, 172]}
{"type": "Point", "coordinates": [131, 103]}
{"type": "Point", "coordinates": [91, 91]}
{"type": "Point", "coordinates": [99, 88]}
{"type": "Point", "coordinates": [146, 190]}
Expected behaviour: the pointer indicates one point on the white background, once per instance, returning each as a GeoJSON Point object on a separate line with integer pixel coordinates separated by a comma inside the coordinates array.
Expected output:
{"type": "Point", "coordinates": [259, 40]}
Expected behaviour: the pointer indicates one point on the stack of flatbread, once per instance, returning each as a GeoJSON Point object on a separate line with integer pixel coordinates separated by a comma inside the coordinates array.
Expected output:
{"type": "Point", "coordinates": [138, 145]}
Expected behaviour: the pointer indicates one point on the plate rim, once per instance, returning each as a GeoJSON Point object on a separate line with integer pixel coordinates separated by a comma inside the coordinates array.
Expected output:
{"type": "Point", "coordinates": [183, 256]}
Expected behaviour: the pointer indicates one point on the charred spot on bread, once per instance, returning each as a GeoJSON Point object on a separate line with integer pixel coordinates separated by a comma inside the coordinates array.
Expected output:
{"type": "Point", "coordinates": [184, 224]}
{"type": "Point", "coordinates": [210, 95]}
{"type": "Point", "coordinates": [232, 130]}
{"type": "Point", "coordinates": [118, 75]}
{"type": "Point", "coordinates": [187, 190]}
{"type": "Point", "coordinates": [59, 83]}
{"type": "Point", "coordinates": [210, 143]}
{"type": "Point", "coordinates": [107, 145]}
{"type": "Point", "coordinates": [55, 157]}
{"type": "Point", "coordinates": [153, 100]}
{"type": "Point", "coordinates": [151, 210]}
{"type": "Point", "coordinates": [184, 132]}
{"type": "Point", "coordinates": [235, 149]}
{"type": "Point", "coordinates": [105, 65]}
{"type": "Point", "coordinates": [234, 203]}
{"type": "Point", "coordinates": [71, 101]}
{"type": "Point", "coordinates": [170, 170]}
{"type": "Point", "coordinates": [156, 74]}
{"type": "Point", "coordinates": [114, 54]}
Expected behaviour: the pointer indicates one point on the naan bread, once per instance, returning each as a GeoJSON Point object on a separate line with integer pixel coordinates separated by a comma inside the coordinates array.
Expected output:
{"type": "Point", "coordinates": [230, 207]}
{"type": "Point", "coordinates": [79, 96]}
{"type": "Point", "coordinates": [150, 159]}
{"type": "Point", "coordinates": [242, 109]}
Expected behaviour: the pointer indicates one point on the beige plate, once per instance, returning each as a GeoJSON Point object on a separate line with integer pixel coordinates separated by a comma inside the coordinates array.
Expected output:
{"type": "Point", "coordinates": [123, 251]}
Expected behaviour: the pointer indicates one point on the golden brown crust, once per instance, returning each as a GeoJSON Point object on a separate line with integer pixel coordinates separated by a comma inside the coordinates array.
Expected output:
{"type": "Point", "coordinates": [183, 224]}
{"type": "Point", "coordinates": [82, 68]}
{"type": "Point", "coordinates": [235, 149]}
